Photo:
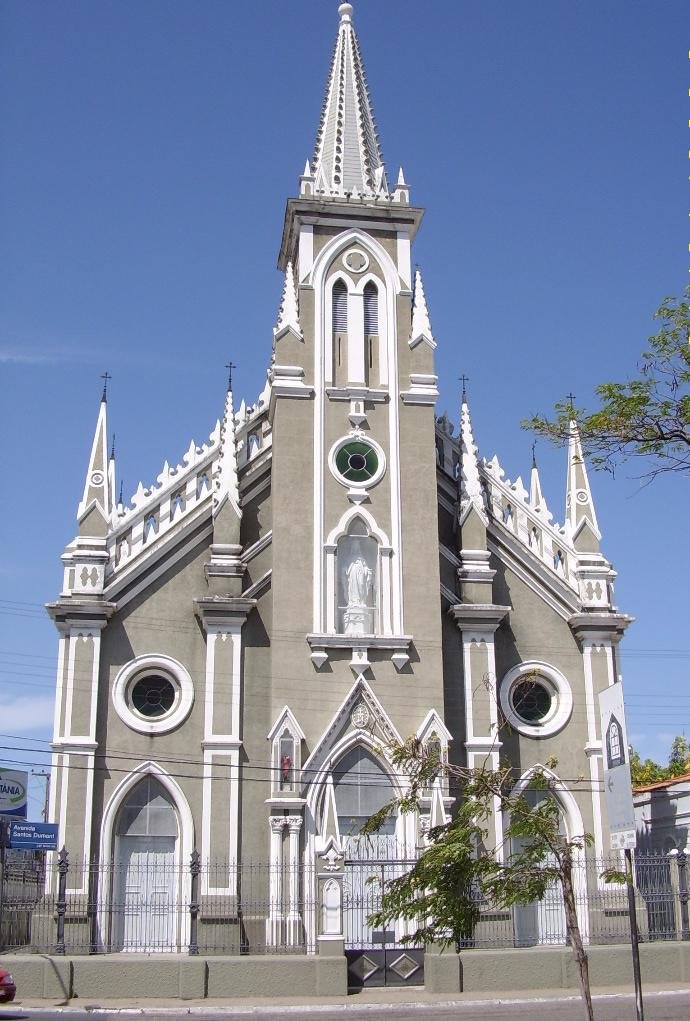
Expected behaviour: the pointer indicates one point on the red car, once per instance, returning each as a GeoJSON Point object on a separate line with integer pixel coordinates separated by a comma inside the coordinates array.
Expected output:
{"type": "Point", "coordinates": [8, 989]}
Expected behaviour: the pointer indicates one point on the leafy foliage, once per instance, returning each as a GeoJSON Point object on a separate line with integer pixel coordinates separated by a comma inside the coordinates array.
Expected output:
{"type": "Point", "coordinates": [648, 772]}
{"type": "Point", "coordinates": [647, 416]}
{"type": "Point", "coordinates": [455, 875]}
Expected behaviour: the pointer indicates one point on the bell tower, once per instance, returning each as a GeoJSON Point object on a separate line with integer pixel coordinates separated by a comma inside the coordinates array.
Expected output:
{"type": "Point", "coordinates": [353, 396]}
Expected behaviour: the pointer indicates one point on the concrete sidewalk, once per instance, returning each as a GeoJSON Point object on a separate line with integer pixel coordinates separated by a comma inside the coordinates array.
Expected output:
{"type": "Point", "coordinates": [370, 999]}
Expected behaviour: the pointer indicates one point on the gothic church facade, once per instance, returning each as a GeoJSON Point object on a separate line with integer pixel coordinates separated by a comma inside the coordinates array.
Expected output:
{"type": "Point", "coordinates": [334, 569]}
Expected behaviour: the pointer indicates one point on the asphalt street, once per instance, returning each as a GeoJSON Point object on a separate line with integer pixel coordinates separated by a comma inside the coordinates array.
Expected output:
{"type": "Point", "coordinates": [658, 1007]}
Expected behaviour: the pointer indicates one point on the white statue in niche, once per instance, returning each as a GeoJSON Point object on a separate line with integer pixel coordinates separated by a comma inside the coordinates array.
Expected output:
{"type": "Point", "coordinates": [359, 577]}
{"type": "Point", "coordinates": [357, 616]}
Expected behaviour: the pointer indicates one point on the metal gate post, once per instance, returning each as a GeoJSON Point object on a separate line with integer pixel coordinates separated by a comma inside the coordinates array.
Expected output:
{"type": "Point", "coordinates": [683, 894]}
{"type": "Point", "coordinates": [195, 869]}
{"type": "Point", "coordinates": [61, 903]}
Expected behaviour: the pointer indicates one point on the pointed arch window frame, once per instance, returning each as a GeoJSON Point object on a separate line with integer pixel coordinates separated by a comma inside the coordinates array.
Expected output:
{"type": "Point", "coordinates": [384, 562]}
{"type": "Point", "coordinates": [355, 333]}
{"type": "Point", "coordinates": [286, 722]}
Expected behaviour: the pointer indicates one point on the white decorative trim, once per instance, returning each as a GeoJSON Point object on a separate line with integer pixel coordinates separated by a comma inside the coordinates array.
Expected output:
{"type": "Point", "coordinates": [168, 667]}
{"type": "Point", "coordinates": [558, 687]}
{"type": "Point", "coordinates": [253, 551]}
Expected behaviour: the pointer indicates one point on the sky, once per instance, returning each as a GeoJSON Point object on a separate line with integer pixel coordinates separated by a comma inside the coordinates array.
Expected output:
{"type": "Point", "coordinates": [148, 151]}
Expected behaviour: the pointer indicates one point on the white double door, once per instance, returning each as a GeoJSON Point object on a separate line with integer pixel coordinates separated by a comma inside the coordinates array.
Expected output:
{"type": "Point", "coordinates": [146, 894]}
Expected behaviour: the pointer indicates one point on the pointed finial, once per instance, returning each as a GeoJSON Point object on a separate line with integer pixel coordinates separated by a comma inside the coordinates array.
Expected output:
{"type": "Point", "coordinates": [105, 376]}
{"type": "Point", "coordinates": [230, 366]}
{"type": "Point", "coordinates": [534, 456]}
{"type": "Point", "coordinates": [464, 380]}
{"type": "Point", "coordinates": [112, 449]}
{"type": "Point", "coordinates": [120, 500]}
{"type": "Point", "coordinates": [345, 12]}
{"type": "Point", "coordinates": [401, 177]}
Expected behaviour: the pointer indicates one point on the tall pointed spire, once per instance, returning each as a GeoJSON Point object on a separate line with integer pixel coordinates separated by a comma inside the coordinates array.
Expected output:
{"type": "Point", "coordinates": [536, 496]}
{"type": "Point", "coordinates": [347, 156]}
{"type": "Point", "coordinates": [226, 497]}
{"type": "Point", "coordinates": [579, 505]}
{"type": "Point", "coordinates": [288, 316]}
{"type": "Point", "coordinates": [111, 476]}
{"type": "Point", "coordinates": [469, 483]}
{"type": "Point", "coordinates": [95, 508]}
{"type": "Point", "coordinates": [421, 325]}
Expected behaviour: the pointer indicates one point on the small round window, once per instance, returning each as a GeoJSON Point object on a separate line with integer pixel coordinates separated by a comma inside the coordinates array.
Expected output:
{"type": "Point", "coordinates": [153, 695]}
{"type": "Point", "coordinates": [532, 701]}
{"type": "Point", "coordinates": [536, 699]}
{"type": "Point", "coordinates": [357, 462]}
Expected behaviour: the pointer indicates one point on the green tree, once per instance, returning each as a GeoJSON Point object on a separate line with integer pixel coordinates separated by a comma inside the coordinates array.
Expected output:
{"type": "Point", "coordinates": [647, 772]}
{"type": "Point", "coordinates": [647, 417]}
{"type": "Point", "coordinates": [442, 893]}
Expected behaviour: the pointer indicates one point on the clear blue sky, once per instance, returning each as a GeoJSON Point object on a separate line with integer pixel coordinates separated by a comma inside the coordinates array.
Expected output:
{"type": "Point", "coordinates": [148, 149]}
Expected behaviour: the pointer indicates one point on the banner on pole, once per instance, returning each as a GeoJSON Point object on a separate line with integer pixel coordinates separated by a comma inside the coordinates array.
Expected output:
{"type": "Point", "coordinates": [617, 785]}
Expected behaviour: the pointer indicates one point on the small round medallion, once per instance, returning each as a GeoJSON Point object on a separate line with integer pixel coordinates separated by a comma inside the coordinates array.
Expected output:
{"type": "Point", "coordinates": [360, 716]}
{"type": "Point", "coordinates": [356, 261]}
{"type": "Point", "coordinates": [97, 478]}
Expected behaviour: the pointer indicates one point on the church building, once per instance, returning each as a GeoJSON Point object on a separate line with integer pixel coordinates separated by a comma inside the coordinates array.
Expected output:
{"type": "Point", "coordinates": [334, 569]}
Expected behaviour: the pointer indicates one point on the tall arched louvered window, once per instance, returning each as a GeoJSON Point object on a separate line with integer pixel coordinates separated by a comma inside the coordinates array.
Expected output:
{"type": "Point", "coordinates": [340, 307]}
{"type": "Point", "coordinates": [371, 310]}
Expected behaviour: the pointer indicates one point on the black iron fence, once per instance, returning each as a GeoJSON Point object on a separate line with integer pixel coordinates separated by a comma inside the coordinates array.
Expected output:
{"type": "Point", "coordinates": [201, 907]}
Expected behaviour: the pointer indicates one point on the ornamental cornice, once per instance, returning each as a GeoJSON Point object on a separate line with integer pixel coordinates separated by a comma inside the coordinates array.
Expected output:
{"type": "Point", "coordinates": [608, 627]}
{"type": "Point", "coordinates": [478, 616]}
{"type": "Point", "coordinates": [92, 613]}
{"type": "Point", "coordinates": [223, 612]}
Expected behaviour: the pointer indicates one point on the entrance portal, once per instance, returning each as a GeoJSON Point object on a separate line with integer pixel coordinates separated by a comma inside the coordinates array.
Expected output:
{"type": "Point", "coordinates": [146, 877]}
{"type": "Point", "coordinates": [375, 957]}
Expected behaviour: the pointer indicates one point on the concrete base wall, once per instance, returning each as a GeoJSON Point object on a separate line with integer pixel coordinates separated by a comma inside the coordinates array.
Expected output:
{"type": "Point", "coordinates": [117, 976]}
{"type": "Point", "coordinates": [162, 976]}
{"type": "Point", "coordinates": [535, 968]}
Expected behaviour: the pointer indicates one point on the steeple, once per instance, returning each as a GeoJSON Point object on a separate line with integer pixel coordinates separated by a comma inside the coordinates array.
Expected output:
{"type": "Point", "coordinates": [347, 157]}
{"type": "Point", "coordinates": [421, 326]}
{"type": "Point", "coordinates": [226, 499]}
{"type": "Point", "coordinates": [536, 497]}
{"type": "Point", "coordinates": [95, 508]}
{"type": "Point", "coordinates": [288, 317]}
{"type": "Point", "coordinates": [579, 505]}
{"type": "Point", "coordinates": [469, 483]}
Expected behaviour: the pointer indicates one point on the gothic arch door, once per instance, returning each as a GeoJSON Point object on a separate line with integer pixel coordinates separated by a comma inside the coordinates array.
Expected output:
{"type": "Point", "coordinates": [374, 957]}
{"type": "Point", "coordinates": [541, 922]}
{"type": "Point", "coordinates": [146, 880]}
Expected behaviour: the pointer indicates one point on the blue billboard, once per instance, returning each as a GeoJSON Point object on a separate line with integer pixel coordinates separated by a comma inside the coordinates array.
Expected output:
{"type": "Point", "coordinates": [13, 792]}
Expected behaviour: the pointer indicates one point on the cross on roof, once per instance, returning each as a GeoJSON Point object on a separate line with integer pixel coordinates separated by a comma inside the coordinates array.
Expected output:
{"type": "Point", "coordinates": [230, 366]}
{"type": "Point", "coordinates": [105, 376]}
{"type": "Point", "coordinates": [464, 380]}
{"type": "Point", "coordinates": [570, 398]}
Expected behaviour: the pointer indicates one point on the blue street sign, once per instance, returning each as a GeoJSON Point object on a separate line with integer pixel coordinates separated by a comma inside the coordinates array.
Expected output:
{"type": "Point", "coordinates": [33, 836]}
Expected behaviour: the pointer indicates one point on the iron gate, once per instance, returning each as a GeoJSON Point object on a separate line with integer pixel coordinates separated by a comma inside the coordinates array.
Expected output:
{"type": "Point", "coordinates": [376, 957]}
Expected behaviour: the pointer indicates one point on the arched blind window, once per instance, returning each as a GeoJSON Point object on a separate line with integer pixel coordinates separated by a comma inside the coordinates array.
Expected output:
{"type": "Point", "coordinates": [340, 308]}
{"type": "Point", "coordinates": [371, 310]}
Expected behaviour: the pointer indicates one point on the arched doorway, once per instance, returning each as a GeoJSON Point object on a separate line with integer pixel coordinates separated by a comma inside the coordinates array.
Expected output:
{"type": "Point", "coordinates": [145, 870]}
{"type": "Point", "coordinates": [375, 957]}
{"type": "Point", "coordinates": [541, 922]}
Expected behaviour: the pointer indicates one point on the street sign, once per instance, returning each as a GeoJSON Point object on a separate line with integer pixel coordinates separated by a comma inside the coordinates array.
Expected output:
{"type": "Point", "coordinates": [14, 784]}
{"type": "Point", "coordinates": [617, 785]}
{"type": "Point", "coordinates": [34, 836]}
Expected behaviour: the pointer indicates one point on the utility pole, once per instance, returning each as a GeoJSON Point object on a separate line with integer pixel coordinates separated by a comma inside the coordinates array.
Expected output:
{"type": "Point", "coordinates": [46, 798]}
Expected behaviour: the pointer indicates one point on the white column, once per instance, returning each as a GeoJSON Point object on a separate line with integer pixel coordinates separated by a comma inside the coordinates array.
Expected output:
{"type": "Point", "coordinates": [293, 917]}
{"type": "Point", "coordinates": [275, 883]}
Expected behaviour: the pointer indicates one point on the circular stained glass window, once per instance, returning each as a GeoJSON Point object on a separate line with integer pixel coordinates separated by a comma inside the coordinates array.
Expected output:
{"type": "Point", "coordinates": [532, 701]}
{"type": "Point", "coordinates": [153, 695]}
{"type": "Point", "coordinates": [357, 461]}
